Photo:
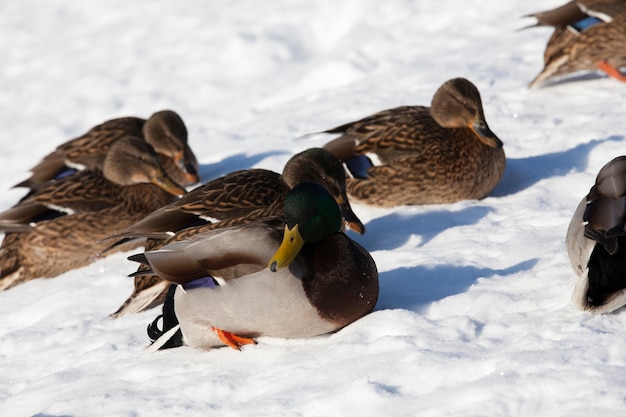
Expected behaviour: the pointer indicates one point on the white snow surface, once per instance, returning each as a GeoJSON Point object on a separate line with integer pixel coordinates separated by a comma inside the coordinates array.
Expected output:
{"type": "Point", "coordinates": [475, 316]}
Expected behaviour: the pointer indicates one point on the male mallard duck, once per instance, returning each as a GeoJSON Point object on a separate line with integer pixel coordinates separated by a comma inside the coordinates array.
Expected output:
{"type": "Point", "coordinates": [596, 242]}
{"type": "Point", "coordinates": [234, 199]}
{"type": "Point", "coordinates": [60, 226]}
{"type": "Point", "coordinates": [164, 130]}
{"type": "Point", "coordinates": [588, 35]}
{"type": "Point", "coordinates": [241, 282]}
{"type": "Point", "coordinates": [420, 155]}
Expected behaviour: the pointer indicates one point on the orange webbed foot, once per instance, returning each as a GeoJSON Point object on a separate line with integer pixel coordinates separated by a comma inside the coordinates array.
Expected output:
{"type": "Point", "coordinates": [232, 340]}
{"type": "Point", "coordinates": [611, 71]}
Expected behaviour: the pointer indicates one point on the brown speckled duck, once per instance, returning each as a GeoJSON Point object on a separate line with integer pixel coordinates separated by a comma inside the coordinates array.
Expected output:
{"type": "Point", "coordinates": [164, 130]}
{"type": "Point", "coordinates": [596, 242]}
{"type": "Point", "coordinates": [419, 155]}
{"type": "Point", "coordinates": [60, 226]}
{"type": "Point", "coordinates": [589, 35]}
{"type": "Point", "coordinates": [291, 277]}
{"type": "Point", "coordinates": [234, 199]}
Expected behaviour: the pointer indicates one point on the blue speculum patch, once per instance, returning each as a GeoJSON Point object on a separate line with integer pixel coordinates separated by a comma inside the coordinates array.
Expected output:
{"type": "Point", "coordinates": [65, 173]}
{"type": "Point", "coordinates": [204, 282]}
{"type": "Point", "coordinates": [359, 165]}
{"type": "Point", "coordinates": [585, 23]}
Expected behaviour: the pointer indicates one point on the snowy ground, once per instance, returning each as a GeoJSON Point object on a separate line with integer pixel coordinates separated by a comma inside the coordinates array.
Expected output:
{"type": "Point", "coordinates": [474, 316]}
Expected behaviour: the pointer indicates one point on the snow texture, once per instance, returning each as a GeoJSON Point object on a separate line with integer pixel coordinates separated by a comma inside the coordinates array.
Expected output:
{"type": "Point", "coordinates": [475, 316]}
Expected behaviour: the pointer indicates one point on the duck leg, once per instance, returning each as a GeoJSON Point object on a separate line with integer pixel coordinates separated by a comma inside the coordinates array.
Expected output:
{"type": "Point", "coordinates": [232, 340]}
{"type": "Point", "coordinates": [611, 71]}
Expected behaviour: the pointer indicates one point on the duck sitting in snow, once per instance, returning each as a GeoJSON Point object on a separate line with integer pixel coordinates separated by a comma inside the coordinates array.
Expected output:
{"type": "Point", "coordinates": [234, 199]}
{"type": "Point", "coordinates": [290, 277]}
{"type": "Point", "coordinates": [596, 242]}
{"type": "Point", "coordinates": [419, 155]}
{"type": "Point", "coordinates": [588, 35]}
{"type": "Point", "coordinates": [60, 226]}
{"type": "Point", "coordinates": [164, 130]}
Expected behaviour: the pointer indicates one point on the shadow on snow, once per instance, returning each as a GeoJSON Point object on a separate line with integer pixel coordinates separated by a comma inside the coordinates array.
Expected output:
{"type": "Point", "coordinates": [421, 285]}
{"type": "Point", "coordinates": [522, 173]}
{"type": "Point", "coordinates": [394, 230]}
{"type": "Point", "coordinates": [234, 163]}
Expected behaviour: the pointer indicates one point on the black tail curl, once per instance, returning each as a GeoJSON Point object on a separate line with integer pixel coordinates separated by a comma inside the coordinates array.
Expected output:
{"type": "Point", "coordinates": [169, 321]}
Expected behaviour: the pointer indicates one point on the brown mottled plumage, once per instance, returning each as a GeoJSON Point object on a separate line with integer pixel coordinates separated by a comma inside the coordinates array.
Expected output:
{"type": "Point", "coordinates": [241, 282]}
{"type": "Point", "coordinates": [573, 49]}
{"type": "Point", "coordinates": [234, 199]}
{"type": "Point", "coordinates": [596, 242]}
{"type": "Point", "coordinates": [164, 130]}
{"type": "Point", "coordinates": [60, 226]}
{"type": "Point", "coordinates": [440, 154]}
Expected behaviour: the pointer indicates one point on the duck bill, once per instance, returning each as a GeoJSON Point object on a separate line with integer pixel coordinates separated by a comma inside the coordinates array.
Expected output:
{"type": "Point", "coordinates": [162, 180]}
{"type": "Point", "coordinates": [190, 172]}
{"type": "Point", "coordinates": [486, 136]}
{"type": "Point", "coordinates": [288, 250]}
{"type": "Point", "coordinates": [351, 219]}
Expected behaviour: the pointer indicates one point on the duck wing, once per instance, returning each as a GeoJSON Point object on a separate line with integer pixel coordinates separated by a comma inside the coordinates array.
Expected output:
{"type": "Point", "coordinates": [86, 151]}
{"type": "Point", "coordinates": [236, 195]}
{"type": "Point", "coordinates": [226, 253]}
{"type": "Point", "coordinates": [394, 131]}
{"type": "Point", "coordinates": [82, 192]}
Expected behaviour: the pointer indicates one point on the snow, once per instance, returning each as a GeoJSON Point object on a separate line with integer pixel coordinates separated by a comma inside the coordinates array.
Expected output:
{"type": "Point", "coordinates": [475, 316]}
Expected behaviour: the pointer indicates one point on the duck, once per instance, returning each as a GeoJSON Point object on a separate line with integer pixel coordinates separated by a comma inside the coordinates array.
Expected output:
{"type": "Point", "coordinates": [233, 199]}
{"type": "Point", "coordinates": [164, 130]}
{"type": "Point", "coordinates": [596, 242]}
{"type": "Point", "coordinates": [589, 35]}
{"type": "Point", "coordinates": [60, 226]}
{"type": "Point", "coordinates": [414, 155]}
{"type": "Point", "coordinates": [296, 275]}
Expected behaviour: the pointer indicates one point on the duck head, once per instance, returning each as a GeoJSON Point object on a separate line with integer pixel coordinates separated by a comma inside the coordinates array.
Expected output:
{"type": "Point", "coordinates": [311, 215]}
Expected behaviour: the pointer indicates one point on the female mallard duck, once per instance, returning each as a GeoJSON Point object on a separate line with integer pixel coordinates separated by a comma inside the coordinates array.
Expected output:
{"type": "Point", "coordinates": [60, 226]}
{"type": "Point", "coordinates": [164, 130]}
{"type": "Point", "coordinates": [419, 155]}
{"type": "Point", "coordinates": [238, 283]}
{"type": "Point", "coordinates": [588, 35]}
{"type": "Point", "coordinates": [234, 199]}
{"type": "Point", "coordinates": [596, 242]}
